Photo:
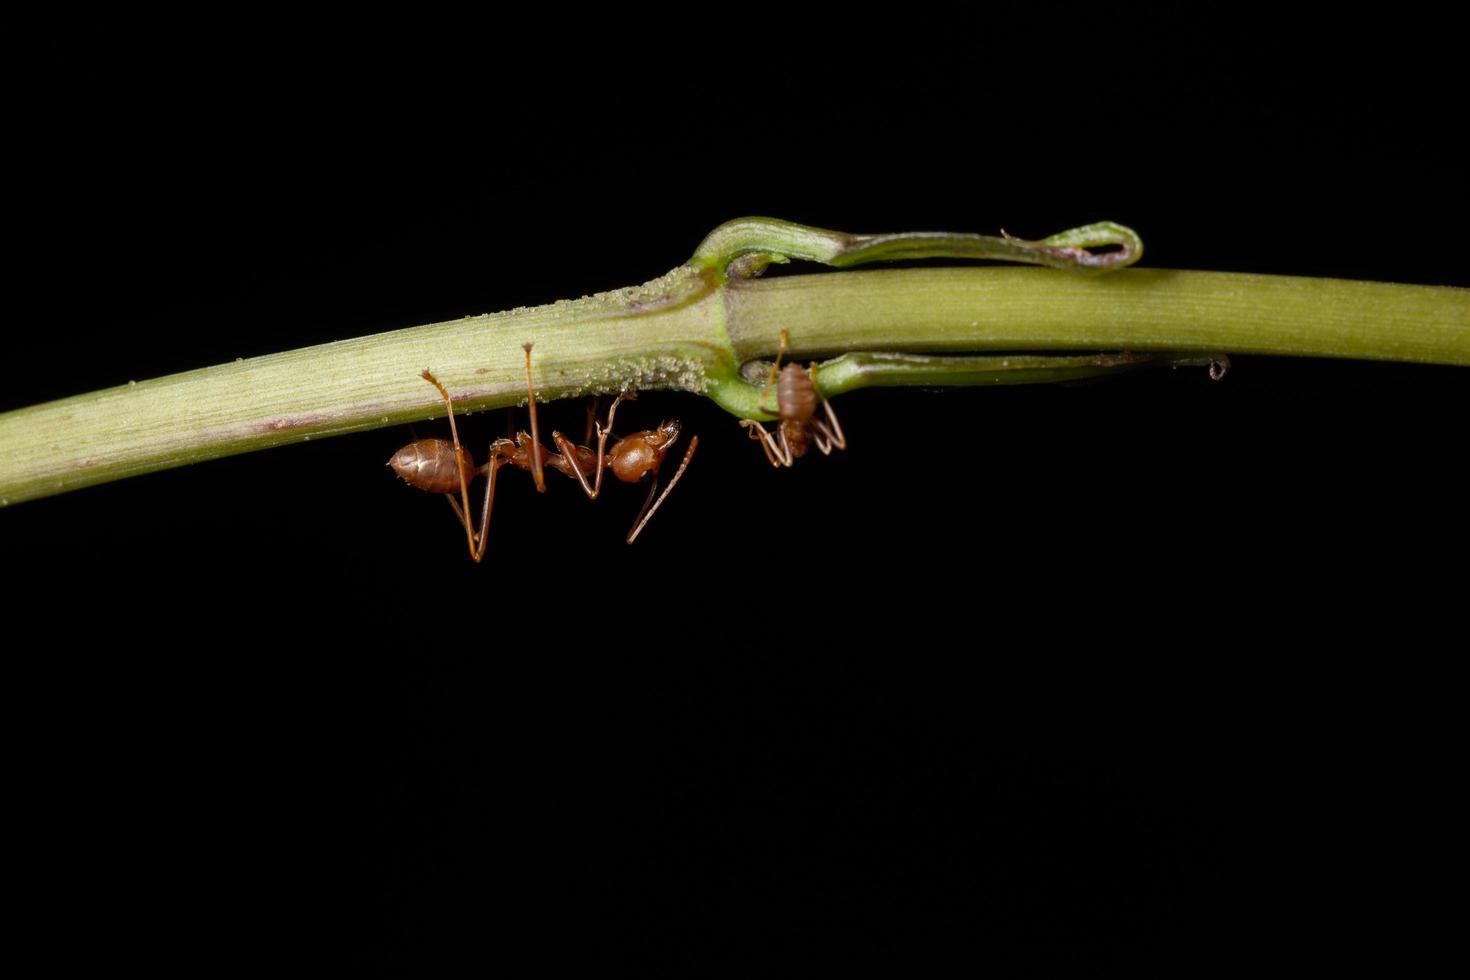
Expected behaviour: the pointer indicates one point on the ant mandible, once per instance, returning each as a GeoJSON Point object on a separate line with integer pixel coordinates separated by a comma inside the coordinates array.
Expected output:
{"type": "Point", "coordinates": [796, 400]}
{"type": "Point", "coordinates": [437, 466]}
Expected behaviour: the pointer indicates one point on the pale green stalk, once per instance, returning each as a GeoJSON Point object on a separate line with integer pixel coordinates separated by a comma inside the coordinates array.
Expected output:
{"type": "Point", "coordinates": [694, 328]}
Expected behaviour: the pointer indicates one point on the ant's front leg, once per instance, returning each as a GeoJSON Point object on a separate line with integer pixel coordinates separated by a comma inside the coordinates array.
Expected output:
{"type": "Point", "coordinates": [569, 451]}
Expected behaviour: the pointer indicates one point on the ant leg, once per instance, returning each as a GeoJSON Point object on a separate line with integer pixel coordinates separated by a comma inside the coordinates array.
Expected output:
{"type": "Point", "coordinates": [838, 439]}
{"type": "Point", "coordinates": [827, 438]}
{"type": "Point", "coordinates": [647, 512]}
{"type": "Point", "coordinates": [775, 369]}
{"type": "Point", "coordinates": [536, 470]}
{"type": "Point", "coordinates": [591, 419]}
{"type": "Point", "coordinates": [460, 516]}
{"type": "Point", "coordinates": [464, 486]}
{"type": "Point", "coordinates": [492, 466]}
{"type": "Point", "coordinates": [569, 451]}
{"type": "Point", "coordinates": [832, 429]}
{"type": "Point", "coordinates": [602, 434]}
{"type": "Point", "coordinates": [777, 456]}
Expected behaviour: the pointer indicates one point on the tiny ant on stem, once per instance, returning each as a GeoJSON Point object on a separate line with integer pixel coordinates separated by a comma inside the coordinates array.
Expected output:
{"type": "Point", "coordinates": [439, 466]}
{"type": "Point", "coordinates": [796, 398]}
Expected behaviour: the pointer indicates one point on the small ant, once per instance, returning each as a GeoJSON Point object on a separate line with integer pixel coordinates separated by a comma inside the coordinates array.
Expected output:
{"type": "Point", "coordinates": [437, 466]}
{"type": "Point", "coordinates": [796, 398]}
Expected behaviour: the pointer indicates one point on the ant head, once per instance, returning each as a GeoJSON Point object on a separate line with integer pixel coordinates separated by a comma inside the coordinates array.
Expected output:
{"type": "Point", "coordinates": [668, 433]}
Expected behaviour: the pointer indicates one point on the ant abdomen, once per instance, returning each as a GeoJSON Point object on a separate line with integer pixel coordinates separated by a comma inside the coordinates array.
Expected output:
{"type": "Point", "coordinates": [429, 464]}
{"type": "Point", "coordinates": [796, 394]}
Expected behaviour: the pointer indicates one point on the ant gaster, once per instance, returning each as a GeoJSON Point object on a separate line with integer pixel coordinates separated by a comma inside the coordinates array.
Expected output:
{"type": "Point", "coordinates": [439, 466]}
{"type": "Point", "coordinates": [796, 400]}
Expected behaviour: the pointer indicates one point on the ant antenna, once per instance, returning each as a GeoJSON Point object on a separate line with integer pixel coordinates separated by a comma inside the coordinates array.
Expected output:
{"type": "Point", "coordinates": [647, 514]}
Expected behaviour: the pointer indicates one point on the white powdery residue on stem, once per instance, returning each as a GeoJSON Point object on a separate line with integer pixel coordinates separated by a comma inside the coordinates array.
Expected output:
{"type": "Point", "coordinates": [655, 371]}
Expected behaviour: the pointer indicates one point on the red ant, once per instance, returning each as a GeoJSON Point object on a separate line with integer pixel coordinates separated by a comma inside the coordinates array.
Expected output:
{"type": "Point", "coordinates": [437, 466]}
{"type": "Point", "coordinates": [796, 398]}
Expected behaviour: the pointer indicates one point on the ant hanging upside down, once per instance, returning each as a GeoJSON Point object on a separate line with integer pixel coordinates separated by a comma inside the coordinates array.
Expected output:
{"type": "Point", "coordinates": [796, 400]}
{"type": "Point", "coordinates": [437, 466]}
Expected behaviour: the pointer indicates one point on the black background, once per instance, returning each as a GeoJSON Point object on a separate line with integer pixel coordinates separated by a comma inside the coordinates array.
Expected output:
{"type": "Point", "coordinates": [1144, 672]}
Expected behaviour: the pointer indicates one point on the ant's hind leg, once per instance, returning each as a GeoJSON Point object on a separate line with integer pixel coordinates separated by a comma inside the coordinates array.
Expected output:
{"type": "Point", "coordinates": [486, 505]}
{"type": "Point", "coordinates": [464, 487]}
{"type": "Point", "coordinates": [832, 429]}
{"type": "Point", "coordinates": [459, 515]}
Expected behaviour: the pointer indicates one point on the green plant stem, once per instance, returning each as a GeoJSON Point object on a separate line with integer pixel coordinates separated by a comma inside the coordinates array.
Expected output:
{"type": "Point", "coordinates": [692, 330]}
{"type": "Point", "coordinates": [1138, 309]}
